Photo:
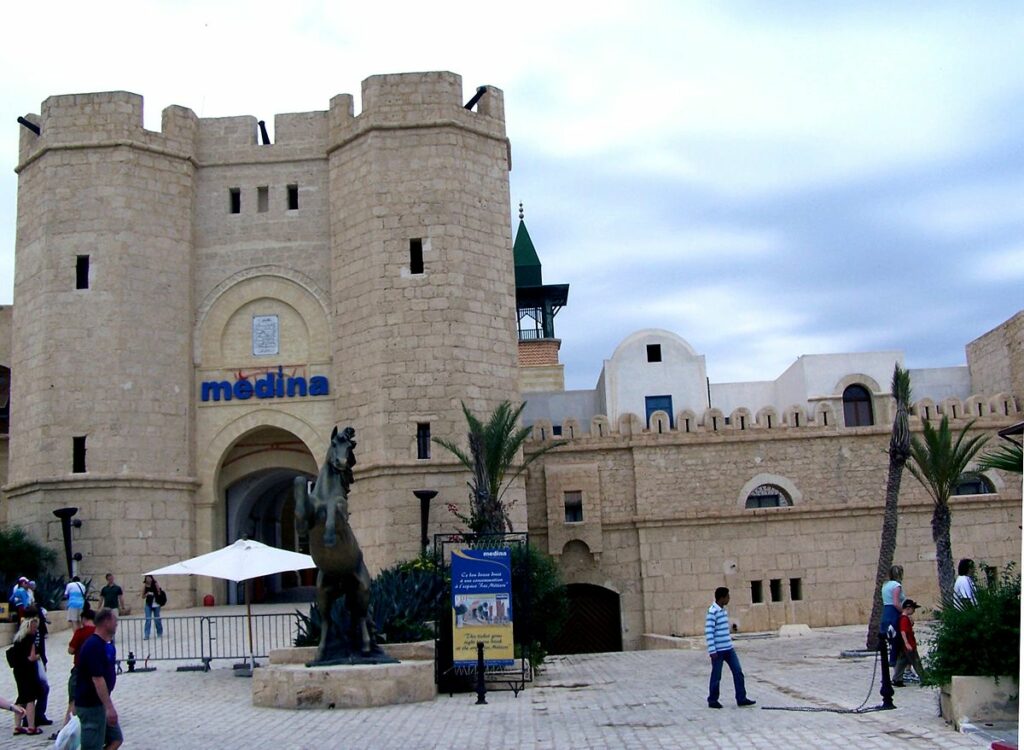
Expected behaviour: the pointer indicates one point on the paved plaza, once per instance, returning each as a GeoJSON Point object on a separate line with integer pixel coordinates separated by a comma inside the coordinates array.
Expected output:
{"type": "Point", "coordinates": [643, 700]}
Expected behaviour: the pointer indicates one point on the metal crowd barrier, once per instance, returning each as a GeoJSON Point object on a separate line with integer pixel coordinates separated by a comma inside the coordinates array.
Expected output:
{"type": "Point", "coordinates": [203, 638]}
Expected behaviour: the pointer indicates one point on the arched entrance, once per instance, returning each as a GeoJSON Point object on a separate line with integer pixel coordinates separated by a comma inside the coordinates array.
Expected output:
{"type": "Point", "coordinates": [594, 624]}
{"type": "Point", "coordinates": [256, 479]}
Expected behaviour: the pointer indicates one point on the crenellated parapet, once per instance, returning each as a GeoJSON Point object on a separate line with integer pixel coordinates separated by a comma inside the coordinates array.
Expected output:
{"type": "Point", "coordinates": [988, 411]}
{"type": "Point", "coordinates": [416, 100]}
{"type": "Point", "coordinates": [107, 119]}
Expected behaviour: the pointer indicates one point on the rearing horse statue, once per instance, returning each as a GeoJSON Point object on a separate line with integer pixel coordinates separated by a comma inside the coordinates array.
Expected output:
{"type": "Point", "coordinates": [323, 514]}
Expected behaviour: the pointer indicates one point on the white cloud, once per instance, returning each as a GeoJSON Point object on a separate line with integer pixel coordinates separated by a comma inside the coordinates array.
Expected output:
{"type": "Point", "coordinates": [999, 265]}
{"type": "Point", "coordinates": [967, 209]}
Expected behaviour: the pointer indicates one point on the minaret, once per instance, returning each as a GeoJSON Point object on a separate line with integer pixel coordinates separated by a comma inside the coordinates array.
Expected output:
{"type": "Point", "coordinates": [537, 304]}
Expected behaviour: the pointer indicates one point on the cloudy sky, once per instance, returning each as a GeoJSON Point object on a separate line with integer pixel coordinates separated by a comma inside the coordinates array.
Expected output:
{"type": "Point", "coordinates": [764, 179]}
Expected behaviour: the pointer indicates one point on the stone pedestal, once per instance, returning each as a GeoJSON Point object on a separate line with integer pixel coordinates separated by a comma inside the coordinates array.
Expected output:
{"type": "Point", "coordinates": [295, 686]}
{"type": "Point", "coordinates": [979, 699]}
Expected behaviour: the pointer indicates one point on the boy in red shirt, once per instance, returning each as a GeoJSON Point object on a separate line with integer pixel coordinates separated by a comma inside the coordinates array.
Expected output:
{"type": "Point", "coordinates": [909, 654]}
{"type": "Point", "coordinates": [80, 636]}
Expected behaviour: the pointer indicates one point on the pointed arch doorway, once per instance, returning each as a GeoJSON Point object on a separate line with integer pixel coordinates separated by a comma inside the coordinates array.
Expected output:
{"type": "Point", "coordinates": [255, 480]}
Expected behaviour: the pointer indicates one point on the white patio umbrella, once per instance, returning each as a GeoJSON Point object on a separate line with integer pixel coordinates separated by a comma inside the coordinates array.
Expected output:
{"type": "Point", "coordinates": [241, 561]}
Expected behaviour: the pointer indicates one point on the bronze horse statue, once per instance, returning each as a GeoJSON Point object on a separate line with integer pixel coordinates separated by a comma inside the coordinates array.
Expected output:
{"type": "Point", "coordinates": [323, 514]}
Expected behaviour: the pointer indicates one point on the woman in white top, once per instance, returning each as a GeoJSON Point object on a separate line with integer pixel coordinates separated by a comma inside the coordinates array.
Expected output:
{"type": "Point", "coordinates": [963, 589]}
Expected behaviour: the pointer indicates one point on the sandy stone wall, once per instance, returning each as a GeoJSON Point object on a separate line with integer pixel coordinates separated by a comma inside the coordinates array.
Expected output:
{"type": "Point", "coordinates": [675, 504]}
{"type": "Point", "coordinates": [996, 359]}
{"type": "Point", "coordinates": [177, 275]}
{"type": "Point", "coordinates": [410, 346]}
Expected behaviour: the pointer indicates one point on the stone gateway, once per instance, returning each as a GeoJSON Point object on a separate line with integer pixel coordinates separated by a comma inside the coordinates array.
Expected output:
{"type": "Point", "coordinates": [196, 309]}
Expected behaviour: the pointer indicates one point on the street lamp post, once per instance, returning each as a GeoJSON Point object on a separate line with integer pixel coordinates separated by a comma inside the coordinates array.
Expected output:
{"type": "Point", "coordinates": [425, 497]}
{"type": "Point", "coordinates": [65, 515]}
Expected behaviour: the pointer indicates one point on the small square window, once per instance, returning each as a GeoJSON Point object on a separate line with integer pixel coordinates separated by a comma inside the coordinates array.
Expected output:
{"type": "Point", "coordinates": [262, 199]}
{"type": "Point", "coordinates": [573, 506]}
{"type": "Point", "coordinates": [78, 454]}
{"type": "Point", "coordinates": [423, 440]}
{"type": "Point", "coordinates": [416, 256]}
{"type": "Point", "coordinates": [756, 592]}
{"type": "Point", "coordinates": [293, 197]}
{"type": "Point", "coordinates": [654, 352]}
{"type": "Point", "coordinates": [82, 272]}
{"type": "Point", "coordinates": [235, 200]}
{"type": "Point", "coordinates": [775, 588]}
{"type": "Point", "coordinates": [556, 430]}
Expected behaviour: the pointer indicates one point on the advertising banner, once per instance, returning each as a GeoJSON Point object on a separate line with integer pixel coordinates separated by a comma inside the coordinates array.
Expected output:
{"type": "Point", "coordinates": [482, 606]}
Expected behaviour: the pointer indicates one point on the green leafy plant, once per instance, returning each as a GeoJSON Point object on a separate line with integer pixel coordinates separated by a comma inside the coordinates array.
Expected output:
{"type": "Point", "coordinates": [538, 588]}
{"type": "Point", "coordinates": [978, 639]}
{"type": "Point", "coordinates": [21, 555]}
{"type": "Point", "coordinates": [404, 598]}
{"type": "Point", "coordinates": [493, 447]}
{"type": "Point", "coordinates": [50, 591]}
{"type": "Point", "coordinates": [1008, 456]}
{"type": "Point", "coordinates": [939, 460]}
{"type": "Point", "coordinates": [309, 627]}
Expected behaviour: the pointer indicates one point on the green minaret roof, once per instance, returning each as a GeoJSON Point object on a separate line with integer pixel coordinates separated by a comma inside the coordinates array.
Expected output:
{"type": "Point", "coordinates": [528, 268]}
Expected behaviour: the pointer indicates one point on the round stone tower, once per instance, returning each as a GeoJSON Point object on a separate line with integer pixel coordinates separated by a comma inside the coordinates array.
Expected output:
{"type": "Point", "coordinates": [101, 355]}
{"type": "Point", "coordinates": [423, 289]}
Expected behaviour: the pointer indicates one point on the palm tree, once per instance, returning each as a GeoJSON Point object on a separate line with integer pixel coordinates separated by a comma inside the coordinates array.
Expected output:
{"type": "Point", "coordinates": [899, 452]}
{"type": "Point", "coordinates": [939, 462]}
{"type": "Point", "coordinates": [493, 447]}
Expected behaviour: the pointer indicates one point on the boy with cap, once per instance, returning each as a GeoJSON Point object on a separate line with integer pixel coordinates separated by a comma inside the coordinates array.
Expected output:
{"type": "Point", "coordinates": [908, 655]}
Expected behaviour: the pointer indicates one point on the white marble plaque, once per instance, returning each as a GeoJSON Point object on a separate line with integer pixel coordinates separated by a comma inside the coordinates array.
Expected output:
{"type": "Point", "coordinates": [266, 335]}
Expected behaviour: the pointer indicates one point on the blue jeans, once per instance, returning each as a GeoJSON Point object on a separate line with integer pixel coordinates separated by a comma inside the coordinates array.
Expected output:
{"type": "Point", "coordinates": [153, 612]}
{"type": "Point", "coordinates": [96, 733]}
{"type": "Point", "coordinates": [891, 621]}
{"type": "Point", "coordinates": [726, 657]}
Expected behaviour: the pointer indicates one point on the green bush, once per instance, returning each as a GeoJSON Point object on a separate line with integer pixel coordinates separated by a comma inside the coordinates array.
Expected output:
{"type": "Point", "coordinates": [21, 555]}
{"type": "Point", "coordinates": [50, 591]}
{"type": "Point", "coordinates": [403, 598]}
{"type": "Point", "coordinates": [537, 589]}
{"type": "Point", "coordinates": [978, 639]}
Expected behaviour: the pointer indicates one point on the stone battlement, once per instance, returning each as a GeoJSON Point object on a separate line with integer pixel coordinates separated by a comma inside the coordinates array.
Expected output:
{"type": "Point", "coordinates": [396, 101]}
{"type": "Point", "coordinates": [989, 411]}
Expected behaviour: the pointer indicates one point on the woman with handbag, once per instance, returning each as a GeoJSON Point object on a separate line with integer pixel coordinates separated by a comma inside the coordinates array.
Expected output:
{"type": "Point", "coordinates": [22, 658]}
{"type": "Point", "coordinates": [155, 598]}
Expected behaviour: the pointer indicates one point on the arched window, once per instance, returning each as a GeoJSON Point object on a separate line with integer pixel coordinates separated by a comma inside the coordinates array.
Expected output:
{"type": "Point", "coordinates": [768, 496]}
{"type": "Point", "coordinates": [975, 484]}
{"type": "Point", "coordinates": [857, 407]}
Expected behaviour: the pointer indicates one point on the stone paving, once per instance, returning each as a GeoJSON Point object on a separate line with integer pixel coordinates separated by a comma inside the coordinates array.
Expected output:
{"type": "Point", "coordinates": [643, 700]}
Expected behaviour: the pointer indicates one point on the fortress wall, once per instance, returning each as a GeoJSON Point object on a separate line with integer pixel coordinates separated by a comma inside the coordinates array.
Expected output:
{"type": "Point", "coordinates": [664, 519]}
{"type": "Point", "coordinates": [996, 359]}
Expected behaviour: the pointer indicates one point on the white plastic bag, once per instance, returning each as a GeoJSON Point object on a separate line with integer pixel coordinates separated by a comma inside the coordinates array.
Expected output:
{"type": "Point", "coordinates": [70, 737]}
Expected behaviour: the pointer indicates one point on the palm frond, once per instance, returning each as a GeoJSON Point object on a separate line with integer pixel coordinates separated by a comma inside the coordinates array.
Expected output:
{"type": "Point", "coordinates": [901, 385]}
{"type": "Point", "coordinates": [939, 462]}
{"type": "Point", "coordinates": [456, 451]}
{"type": "Point", "coordinates": [495, 445]}
{"type": "Point", "coordinates": [1007, 457]}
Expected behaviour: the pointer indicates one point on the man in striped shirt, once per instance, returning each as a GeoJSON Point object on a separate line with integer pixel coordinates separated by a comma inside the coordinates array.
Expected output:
{"type": "Point", "coordinates": [716, 631]}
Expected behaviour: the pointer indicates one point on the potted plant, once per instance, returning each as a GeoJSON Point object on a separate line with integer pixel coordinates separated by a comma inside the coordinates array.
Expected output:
{"type": "Point", "coordinates": [974, 653]}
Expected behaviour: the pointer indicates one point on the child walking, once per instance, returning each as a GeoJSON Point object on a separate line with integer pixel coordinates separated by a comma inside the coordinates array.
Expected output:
{"type": "Point", "coordinates": [908, 654]}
